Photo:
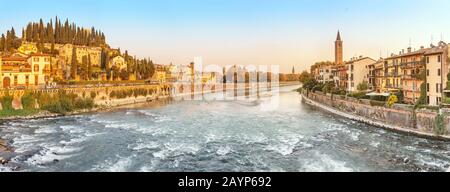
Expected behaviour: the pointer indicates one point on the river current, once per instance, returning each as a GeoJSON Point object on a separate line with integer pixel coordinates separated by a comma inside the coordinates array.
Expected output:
{"type": "Point", "coordinates": [216, 136]}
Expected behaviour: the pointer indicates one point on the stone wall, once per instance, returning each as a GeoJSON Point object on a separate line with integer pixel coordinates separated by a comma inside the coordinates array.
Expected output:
{"type": "Point", "coordinates": [102, 94]}
{"type": "Point", "coordinates": [399, 116]}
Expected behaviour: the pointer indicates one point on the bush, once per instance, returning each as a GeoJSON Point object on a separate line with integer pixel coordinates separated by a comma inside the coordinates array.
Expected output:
{"type": "Point", "coordinates": [439, 127]}
{"type": "Point", "coordinates": [377, 103]}
{"type": "Point", "coordinates": [81, 103]}
{"type": "Point", "coordinates": [93, 95]}
{"type": "Point", "coordinates": [28, 101]}
{"type": "Point", "coordinates": [359, 95]}
{"type": "Point", "coordinates": [391, 100]}
{"type": "Point", "coordinates": [6, 101]}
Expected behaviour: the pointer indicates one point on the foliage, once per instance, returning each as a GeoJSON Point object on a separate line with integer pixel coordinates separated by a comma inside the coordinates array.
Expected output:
{"type": "Point", "coordinates": [423, 95]}
{"type": "Point", "coordinates": [378, 98]}
{"type": "Point", "coordinates": [310, 84]}
{"type": "Point", "coordinates": [63, 33]}
{"type": "Point", "coordinates": [20, 112]}
{"type": "Point", "coordinates": [83, 103]}
{"type": "Point", "coordinates": [359, 95]}
{"type": "Point", "coordinates": [93, 94]}
{"type": "Point", "coordinates": [377, 103]}
{"type": "Point", "coordinates": [6, 101]}
{"type": "Point", "coordinates": [363, 86]}
{"type": "Point", "coordinates": [391, 100]}
{"type": "Point", "coordinates": [400, 96]}
{"type": "Point", "coordinates": [28, 101]}
{"type": "Point", "coordinates": [439, 127]}
{"type": "Point", "coordinates": [305, 76]}
{"type": "Point", "coordinates": [328, 87]}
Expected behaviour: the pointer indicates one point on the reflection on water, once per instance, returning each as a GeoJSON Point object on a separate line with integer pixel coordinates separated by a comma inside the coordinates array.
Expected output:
{"type": "Point", "coordinates": [217, 136]}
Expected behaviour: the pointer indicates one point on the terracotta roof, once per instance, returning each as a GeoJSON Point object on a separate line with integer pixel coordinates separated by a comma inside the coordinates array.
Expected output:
{"type": "Point", "coordinates": [359, 59]}
{"type": "Point", "coordinates": [13, 58]}
{"type": "Point", "coordinates": [39, 55]}
{"type": "Point", "coordinates": [418, 52]}
{"type": "Point", "coordinates": [434, 50]}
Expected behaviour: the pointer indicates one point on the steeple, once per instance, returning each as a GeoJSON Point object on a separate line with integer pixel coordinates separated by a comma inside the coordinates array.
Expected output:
{"type": "Point", "coordinates": [338, 49]}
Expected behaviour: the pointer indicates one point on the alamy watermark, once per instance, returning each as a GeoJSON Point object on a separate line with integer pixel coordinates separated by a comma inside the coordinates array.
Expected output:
{"type": "Point", "coordinates": [248, 83]}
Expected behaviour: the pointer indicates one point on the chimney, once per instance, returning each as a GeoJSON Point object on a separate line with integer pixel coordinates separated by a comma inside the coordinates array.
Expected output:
{"type": "Point", "coordinates": [403, 51]}
{"type": "Point", "coordinates": [409, 49]}
{"type": "Point", "coordinates": [422, 47]}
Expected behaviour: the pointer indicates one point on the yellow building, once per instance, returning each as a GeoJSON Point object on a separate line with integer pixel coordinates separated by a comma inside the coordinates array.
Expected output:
{"type": "Point", "coordinates": [358, 72]}
{"type": "Point", "coordinates": [436, 72]}
{"type": "Point", "coordinates": [23, 72]}
{"type": "Point", "coordinates": [118, 62]}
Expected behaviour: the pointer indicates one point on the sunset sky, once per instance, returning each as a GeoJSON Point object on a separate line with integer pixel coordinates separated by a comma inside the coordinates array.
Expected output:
{"type": "Point", "coordinates": [283, 32]}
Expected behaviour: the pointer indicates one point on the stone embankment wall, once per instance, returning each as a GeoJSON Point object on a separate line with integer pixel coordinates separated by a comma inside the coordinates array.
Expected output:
{"type": "Point", "coordinates": [102, 94]}
{"type": "Point", "coordinates": [399, 117]}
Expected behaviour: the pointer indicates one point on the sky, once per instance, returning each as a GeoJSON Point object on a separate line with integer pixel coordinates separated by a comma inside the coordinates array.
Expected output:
{"type": "Point", "coordinates": [289, 33]}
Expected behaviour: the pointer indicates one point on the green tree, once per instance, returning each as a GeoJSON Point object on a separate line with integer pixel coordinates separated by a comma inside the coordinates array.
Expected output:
{"type": "Point", "coordinates": [74, 64]}
{"type": "Point", "coordinates": [89, 69]}
{"type": "Point", "coordinates": [2, 42]}
{"type": "Point", "coordinates": [304, 76]}
{"type": "Point", "coordinates": [363, 86]}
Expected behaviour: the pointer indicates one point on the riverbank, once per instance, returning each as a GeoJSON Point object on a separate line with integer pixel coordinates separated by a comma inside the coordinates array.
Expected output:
{"type": "Point", "coordinates": [354, 114]}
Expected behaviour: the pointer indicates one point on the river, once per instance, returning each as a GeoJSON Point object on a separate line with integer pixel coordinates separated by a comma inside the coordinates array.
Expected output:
{"type": "Point", "coordinates": [216, 136]}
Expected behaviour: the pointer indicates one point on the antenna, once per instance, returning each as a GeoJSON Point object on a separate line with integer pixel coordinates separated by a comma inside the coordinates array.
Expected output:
{"type": "Point", "coordinates": [431, 39]}
{"type": "Point", "coordinates": [441, 36]}
{"type": "Point", "coordinates": [410, 42]}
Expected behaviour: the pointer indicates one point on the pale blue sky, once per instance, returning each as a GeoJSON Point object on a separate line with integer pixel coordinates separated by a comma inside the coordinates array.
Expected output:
{"type": "Point", "coordinates": [284, 32]}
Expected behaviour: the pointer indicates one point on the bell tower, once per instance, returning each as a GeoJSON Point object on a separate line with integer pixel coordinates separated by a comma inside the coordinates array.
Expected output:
{"type": "Point", "coordinates": [338, 49]}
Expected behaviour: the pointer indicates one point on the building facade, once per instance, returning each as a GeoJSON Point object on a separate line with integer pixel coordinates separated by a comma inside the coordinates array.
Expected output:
{"type": "Point", "coordinates": [358, 72]}
{"type": "Point", "coordinates": [23, 72]}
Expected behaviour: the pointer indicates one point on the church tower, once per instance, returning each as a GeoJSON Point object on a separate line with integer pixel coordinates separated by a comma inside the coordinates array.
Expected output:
{"type": "Point", "coordinates": [338, 50]}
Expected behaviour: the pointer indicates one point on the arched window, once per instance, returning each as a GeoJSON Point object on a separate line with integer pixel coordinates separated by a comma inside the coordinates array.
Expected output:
{"type": "Point", "coordinates": [36, 68]}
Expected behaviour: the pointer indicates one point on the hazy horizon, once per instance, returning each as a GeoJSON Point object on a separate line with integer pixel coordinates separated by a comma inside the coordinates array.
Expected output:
{"type": "Point", "coordinates": [285, 33]}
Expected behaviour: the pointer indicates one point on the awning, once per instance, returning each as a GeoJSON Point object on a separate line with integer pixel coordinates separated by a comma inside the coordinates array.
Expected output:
{"type": "Point", "coordinates": [378, 94]}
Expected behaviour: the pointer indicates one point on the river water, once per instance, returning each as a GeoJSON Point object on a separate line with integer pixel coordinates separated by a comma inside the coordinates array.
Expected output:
{"type": "Point", "coordinates": [217, 136]}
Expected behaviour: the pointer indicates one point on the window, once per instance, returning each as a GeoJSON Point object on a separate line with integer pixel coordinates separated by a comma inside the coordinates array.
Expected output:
{"type": "Point", "coordinates": [428, 87]}
{"type": "Point", "coordinates": [27, 80]}
{"type": "Point", "coordinates": [439, 72]}
{"type": "Point", "coordinates": [351, 67]}
{"type": "Point", "coordinates": [15, 80]}
{"type": "Point", "coordinates": [36, 59]}
{"type": "Point", "coordinates": [36, 68]}
{"type": "Point", "coordinates": [353, 84]}
{"type": "Point", "coordinates": [428, 99]}
{"type": "Point", "coordinates": [428, 59]}
{"type": "Point", "coordinates": [437, 87]}
{"type": "Point", "coordinates": [428, 72]}
{"type": "Point", "coordinates": [47, 59]}
{"type": "Point", "coordinates": [439, 58]}
{"type": "Point", "coordinates": [440, 87]}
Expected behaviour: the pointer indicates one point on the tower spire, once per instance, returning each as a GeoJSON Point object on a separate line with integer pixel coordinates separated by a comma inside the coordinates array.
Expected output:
{"type": "Point", "coordinates": [338, 49]}
{"type": "Point", "coordinates": [338, 36]}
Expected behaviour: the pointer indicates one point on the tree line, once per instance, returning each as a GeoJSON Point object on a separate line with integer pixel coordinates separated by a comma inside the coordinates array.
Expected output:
{"type": "Point", "coordinates": [53, 33]}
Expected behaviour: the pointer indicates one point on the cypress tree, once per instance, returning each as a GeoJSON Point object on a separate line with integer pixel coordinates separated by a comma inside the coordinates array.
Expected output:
{"type": "Point", "coordinates": [89, 68]}
{"type": "Point", "coordinates": [74, 64]}
{"type": "Point", "coordinates": [2, 42]}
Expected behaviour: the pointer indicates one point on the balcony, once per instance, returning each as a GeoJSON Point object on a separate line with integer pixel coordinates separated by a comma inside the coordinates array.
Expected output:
{"type": "Point", "coordinates": [413, 64]}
